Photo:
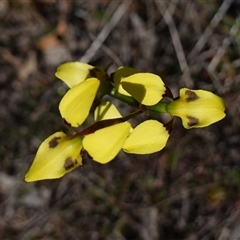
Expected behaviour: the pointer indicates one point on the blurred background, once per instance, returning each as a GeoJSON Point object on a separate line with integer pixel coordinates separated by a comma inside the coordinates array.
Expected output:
{"type": "Point", "coordinates": [190, 190]}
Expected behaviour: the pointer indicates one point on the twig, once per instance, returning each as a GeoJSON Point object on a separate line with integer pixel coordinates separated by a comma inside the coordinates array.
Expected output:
{"type": "Point", "coordinates": [109, 52]}
{"type": "Point", "coordinates": [223, 48]}
{"type": "Point", "coordinates": [119, 13]}
{"type": "Point", "coordinates": [219, 54]}
{"type": "Point", "coordinates": [176, 41]}
{"type": "Point", "coordinates": [209, 30]}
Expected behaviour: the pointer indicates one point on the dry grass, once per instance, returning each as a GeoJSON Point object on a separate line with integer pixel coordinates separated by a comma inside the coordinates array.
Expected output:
{"type": "Point", "coordinates": [190, 190]}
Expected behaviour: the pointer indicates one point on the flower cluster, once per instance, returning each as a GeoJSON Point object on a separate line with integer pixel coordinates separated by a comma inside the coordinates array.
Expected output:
{"type": "Point", "coordinates": [111, 132]}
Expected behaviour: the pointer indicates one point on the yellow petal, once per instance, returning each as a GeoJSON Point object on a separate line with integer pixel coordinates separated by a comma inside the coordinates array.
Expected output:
{"type": "Point", "coordinates": [197, 108]}
{"type": "Point", "coordinates": [122, 72]}
{"type": "Point", "coordinates": [146, 88]}
{"type": "Point", "coordinates": [148, 137]}
{"type": "Point", "coordinates": [106, 110]}
{"type": "Point", "coordinates": [104, 144]}
{"type": "Point", "coordinates": [76, 103]}
{"type": "Point", "coordinates": [57, 155]}
{"type": "Point", "coordinates": [73, 73]}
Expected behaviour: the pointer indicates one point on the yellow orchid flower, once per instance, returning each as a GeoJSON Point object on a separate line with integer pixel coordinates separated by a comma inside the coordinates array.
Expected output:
{"type": "Point", "coordinates": [111, 132]}
{"type": "Point", "coordinates": [104, 144]}
{"type": "Point", "coordinates": [146, 88]}
{"type": "Point", "coordinates": [73, 73]}
{"type": "Point", "coordinates": [76, 103]}
{"type": "Point", "coordinates": [197, 108]}
{"type": "Point", "coordinates": [148, 137]}
{"type": "Point", "coordinates": [57, 155]}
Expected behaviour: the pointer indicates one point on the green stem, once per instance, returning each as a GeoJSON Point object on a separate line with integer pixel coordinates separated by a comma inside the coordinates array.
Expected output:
{"type": "Point", "coordinates": [159, 107]}
{"type": "Point", "coordinates": [127, 99]}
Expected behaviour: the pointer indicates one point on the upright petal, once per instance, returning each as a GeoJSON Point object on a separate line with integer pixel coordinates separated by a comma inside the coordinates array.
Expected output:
{"type": "Point", "coordinates": [122, 72]}
{"type": "Point", "coordinates": [197, 108]}
{"type": "Point", "coordinates": [104, 144]}
{"type": "Point", "coordinates": [146, 88]}
{"type": "Point", "coordinates": [148, 137]}
{"type": "Point", "coordinates": [73, 73]}
{"type": "Point", "coordinates": [76, 103]}
{"type": "Point", "coordinates": [57, 155]}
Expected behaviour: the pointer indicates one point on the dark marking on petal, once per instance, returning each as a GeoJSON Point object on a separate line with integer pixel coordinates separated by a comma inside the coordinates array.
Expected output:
{"type": "Point", "coordinates": [67, 123]}
{"type": "Point", "coordinates": [94, 72]}
{"type": "Point", "coordinates": [54, 142]}
{"type": "Point", "coordinates": [111, 77]}
{"type": "Point", "coordinates": [69, 163]}
{"type": "Point", "coordinates": [192, 121]}
{"type": "Point", "coordinates": [176, 98]}
{"type": "Point", "coordinates": [169, 126]}
{"type": "Point", "coordinates": [191, 96]}
{"type": "Point", "coordinates": [167, 93]}
{"type": "Point", "coordinates": [83, 151]}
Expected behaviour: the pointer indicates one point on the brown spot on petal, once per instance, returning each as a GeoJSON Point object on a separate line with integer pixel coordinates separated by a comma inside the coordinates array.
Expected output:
{"type": "Point", "coordinates": [167, 93]}
{"type": "Point", "coordinates": [88, 155]}
{"type": "Point", "coordinates": [94, 72]}
{"type": "Point", "coordinates": [69, 163]}
{"type": "Point", "coordinates": [54, 142]}
{"type": "Point", "coordinates": [192, 121]}
{"type": "Point", "coordinates": [111, 77]}
{"type": "Point", "coordinates": [191, 96]}
{"type": "Point", "coordinates": [169, 126]}
{"type": "Point", "coordinates": [67, 123]}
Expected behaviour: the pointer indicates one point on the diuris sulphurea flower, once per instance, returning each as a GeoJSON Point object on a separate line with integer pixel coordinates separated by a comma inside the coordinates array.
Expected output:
{"type": "Point", "coordinates": [111, 132]}
{"type": "Point", "coordinates": [197, 108]}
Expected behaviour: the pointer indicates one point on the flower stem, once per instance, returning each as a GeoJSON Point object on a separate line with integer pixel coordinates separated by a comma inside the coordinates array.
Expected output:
{"type": "Point", "coordinates": [127, 99]}
{"type": "Point", "coordinates": [159, 107]}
